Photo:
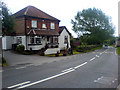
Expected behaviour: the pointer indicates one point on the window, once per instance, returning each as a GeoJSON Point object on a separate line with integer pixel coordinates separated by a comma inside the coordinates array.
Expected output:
{"type": "Point", "coordinates": [19, 40]}
{"type": "Point", "coordinates": [52, 25]}
{"type": "Point", "coordinates": [38, 40]}
{"type": "Point", "coordinates": [66, 39]}
{"type": "Point", "coordinates": [32, 39]}
{"type": "Point", "coordinates": [54, 40]}
{"type": "Point", "coordinates": [34, 24]}
{"type": "Point", "coordinates": [35, 40]}
{"type": "Point", "coordinates": [43, 25]}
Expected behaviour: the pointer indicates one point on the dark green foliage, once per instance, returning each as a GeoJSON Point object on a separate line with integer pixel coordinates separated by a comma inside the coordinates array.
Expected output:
{"type": "Point", "coordinates": [20, 48]}
{"type": "Point", "coordinates": [87, 48]}
{"type": "Point", "coordinates": [4, 63]}
{"type": "Point", "coordinates": [7, 21]}
{"type": "Point", "coordinates": [3, 60]}
{"type": "Point", "coordinates": [94, 25]}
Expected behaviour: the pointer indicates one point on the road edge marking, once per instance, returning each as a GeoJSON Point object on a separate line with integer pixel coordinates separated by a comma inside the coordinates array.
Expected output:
{"type": "Point", "coordinates": [46, 79]}
{"type": "Point", "coordinates": [80, 65]}
{"type": "Point", "coordinates": [13, 86]}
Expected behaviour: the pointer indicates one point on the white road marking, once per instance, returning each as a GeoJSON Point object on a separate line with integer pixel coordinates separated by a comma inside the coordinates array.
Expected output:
{"type": "Point", "coordinates": [19, 84]}
{"type": "Point", "coordinates": [92, 59]}
{"type": "Point", "coordinates": [101, 53]}
{"type": "Point", "coordinates": [21, 67]}
{"type": "Point", "coordinates": [46, 79]}
{"type": "Point", "coordinates": [98, 79]}
{"type": "Point", "coordinates": [80, 65]}
{"type": "Point", "coordinates": [67, 70]}
{"type": "Point", "coordinates": [97, 56]}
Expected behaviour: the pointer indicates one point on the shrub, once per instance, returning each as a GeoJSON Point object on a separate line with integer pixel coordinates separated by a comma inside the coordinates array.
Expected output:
{"type": "Point", "coordinates": [4, 63]}
{"type": "Point", "coordinates": [20, 48]}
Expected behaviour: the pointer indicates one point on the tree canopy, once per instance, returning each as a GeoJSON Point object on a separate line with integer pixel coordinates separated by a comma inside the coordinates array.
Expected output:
{"type": "Point", "coordinates": [94, 25]}
{"type": "Point", "coordinates": [7, 21]}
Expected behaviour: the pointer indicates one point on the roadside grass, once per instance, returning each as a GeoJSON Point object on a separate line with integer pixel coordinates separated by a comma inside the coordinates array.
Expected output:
{"type": "Point", "coordinates": [4, 63]}
{"type": "Point", "coordinates": [112, 46]}
{"type": "Point", "coordinates": [118, 50]}
{"type": "Point", "coordinates": [75, 52]}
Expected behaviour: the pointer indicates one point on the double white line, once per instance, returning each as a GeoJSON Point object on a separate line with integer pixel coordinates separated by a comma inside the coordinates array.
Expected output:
{"type": "Point", "coordinates": [22, 85]}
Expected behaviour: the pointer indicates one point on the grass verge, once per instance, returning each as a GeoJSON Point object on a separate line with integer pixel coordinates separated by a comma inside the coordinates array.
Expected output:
{"type": "Point", "coordinates": [118, 50]}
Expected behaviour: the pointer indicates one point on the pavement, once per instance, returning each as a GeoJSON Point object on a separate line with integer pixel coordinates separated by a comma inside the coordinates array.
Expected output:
{"type": "Point", "coordinates": [118, 88]}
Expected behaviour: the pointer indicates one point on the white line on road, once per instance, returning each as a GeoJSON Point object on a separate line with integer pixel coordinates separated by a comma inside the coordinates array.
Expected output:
{"type": "Point", "coordinates": [98, 79]}
{"type": "Point", "coordinates": [92, 59]}
{"type": "Point", "coordinates": [97, 56]}
{"type": "Point", "coordinates": [19, 84]}
{"type": "Point", "coordinates": [80, 65]}
{"type": "Point", "coordinates": [67, 70]}
{"type": "Point", "coordinates": [21, 67]}
{"type": "Point", "coordinates": [101, 53]}
{"type": "Point", "coordinates": [46, 79]}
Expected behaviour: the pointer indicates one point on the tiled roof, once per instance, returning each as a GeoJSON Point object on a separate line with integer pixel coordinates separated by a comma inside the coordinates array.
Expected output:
{"type": "Point", "coordinates": [45, 32]}
{"type": "Point", "coordinates": [62, 28]}
{"type": "Point", "coordinates": [34, 12]}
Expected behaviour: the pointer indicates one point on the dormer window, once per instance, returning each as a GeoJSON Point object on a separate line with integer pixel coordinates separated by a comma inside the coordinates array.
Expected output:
{"type": "Point", "coordinates": [44, 25]}
{"type": "Point", "coordinates": [52, 25]}
{"type": "Point", "coordinates": [34, 24]}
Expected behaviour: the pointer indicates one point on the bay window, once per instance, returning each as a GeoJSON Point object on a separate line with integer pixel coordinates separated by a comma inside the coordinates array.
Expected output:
{"type": "Point", "coordinates": [35, 40]}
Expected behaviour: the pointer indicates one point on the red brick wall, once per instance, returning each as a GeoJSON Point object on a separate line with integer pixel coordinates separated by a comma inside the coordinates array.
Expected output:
{"type": "Point", "coordinates": [40, 22]}
{"type": "Point", "coordinates": [20, 26]}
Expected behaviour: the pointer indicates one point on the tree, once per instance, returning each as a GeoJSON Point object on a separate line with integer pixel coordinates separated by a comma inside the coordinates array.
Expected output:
{"type": "Point", "coordinates": [94, 25]}
{"type": "Point", "coordinates": [7, 21]}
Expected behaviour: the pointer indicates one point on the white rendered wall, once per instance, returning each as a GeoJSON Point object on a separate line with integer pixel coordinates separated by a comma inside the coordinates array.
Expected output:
{"type": "Point", "coordinates": [7, 42]}
{"type": "Point", "coordinates": [61, 39]}
{"type": "Point", "coordinates": [52, 50]}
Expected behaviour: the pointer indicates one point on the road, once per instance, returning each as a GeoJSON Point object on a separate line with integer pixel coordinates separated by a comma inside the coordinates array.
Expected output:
{"type": "Point", "coordinates": [97, 69]}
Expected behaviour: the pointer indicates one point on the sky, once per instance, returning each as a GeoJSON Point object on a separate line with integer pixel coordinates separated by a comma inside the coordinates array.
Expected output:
{"type": "Point", "coordinates": [65, 10]}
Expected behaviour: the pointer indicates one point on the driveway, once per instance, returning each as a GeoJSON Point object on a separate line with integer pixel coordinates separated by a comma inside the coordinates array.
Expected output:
{"type": "Point", "coordinates": [18, 59]}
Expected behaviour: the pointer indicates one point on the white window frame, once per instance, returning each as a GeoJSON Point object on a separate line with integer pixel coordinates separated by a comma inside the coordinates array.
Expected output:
{"type": "Point", "coordinates": [44, 25]}
{"type": "Point", "coordinates": [34, 23]}
{"type": "Point", "coordinates": [52, 25]}
{"type": "Point", "coordinates": [19, 40]}
{"type": "Point", "coordinates": [34, 38]}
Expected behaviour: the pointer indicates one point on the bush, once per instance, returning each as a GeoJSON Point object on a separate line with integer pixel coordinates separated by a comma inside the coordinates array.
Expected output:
{"type": "Point", "coordinates": [20, 48]}
{"type": "Point", "coordinates": [4, 63]}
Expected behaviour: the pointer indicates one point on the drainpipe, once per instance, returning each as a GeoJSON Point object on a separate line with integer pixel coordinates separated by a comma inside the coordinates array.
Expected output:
{"type": "Point", "coordinates": [26, 34]}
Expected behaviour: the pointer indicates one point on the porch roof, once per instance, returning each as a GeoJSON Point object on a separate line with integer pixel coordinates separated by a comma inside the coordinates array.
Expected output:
{"type": "Point", "coordinates": [43, 32]}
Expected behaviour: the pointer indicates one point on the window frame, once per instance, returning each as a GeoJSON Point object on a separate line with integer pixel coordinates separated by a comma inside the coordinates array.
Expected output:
{"type": "Point", "coordinates": [35, 40]}
{"type": "Point", "coordinates": [52, 26]}
{"type": "Point", "coordinates": [19, 40]}
{"type": "Point", "coordinates": [34, 23]}
{"type": "Point", "coordinates": [65, 39]}
{"type": "Point", "coordinates": [44, 26]}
